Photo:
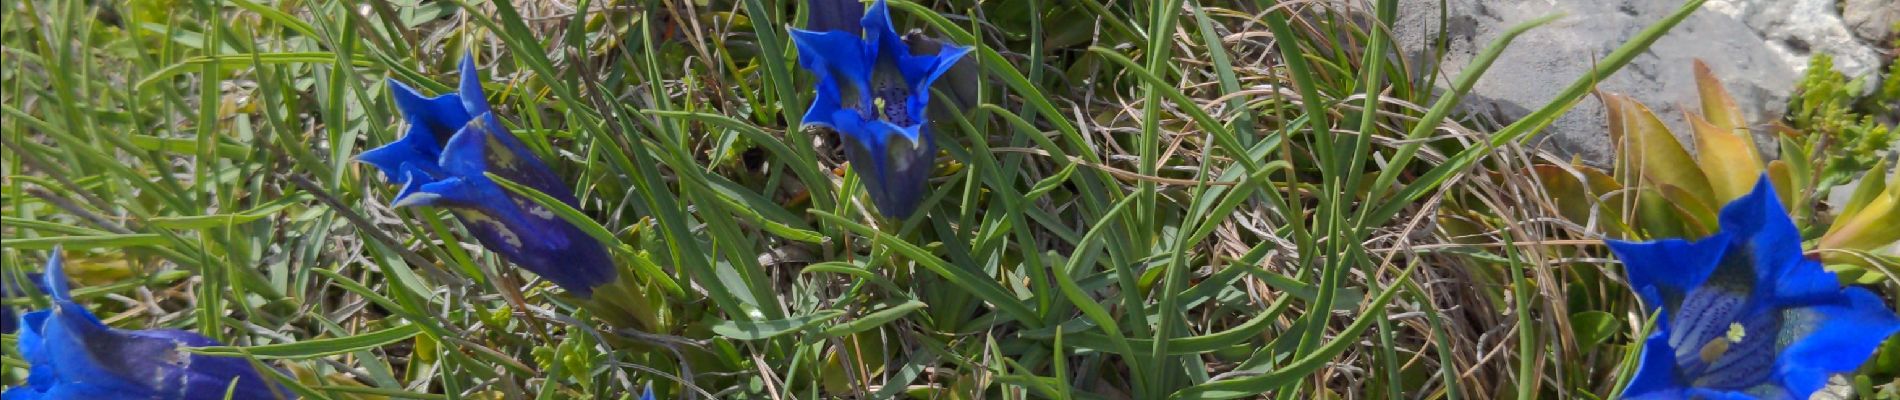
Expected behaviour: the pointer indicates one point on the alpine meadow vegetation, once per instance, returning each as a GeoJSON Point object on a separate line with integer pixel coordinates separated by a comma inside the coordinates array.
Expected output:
{"type": "Point", "coordinates": [928, 199]}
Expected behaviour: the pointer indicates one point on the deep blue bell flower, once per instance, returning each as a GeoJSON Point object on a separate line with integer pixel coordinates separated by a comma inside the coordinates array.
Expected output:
{"type": "Point", "coordinates": [72, 355]}
{"type": "Point", "coordinates": [453, 141]}
{"type": "Point", "coordinates": [873, 89]}
{"type": "Point", "coordinates": [1743, 314]}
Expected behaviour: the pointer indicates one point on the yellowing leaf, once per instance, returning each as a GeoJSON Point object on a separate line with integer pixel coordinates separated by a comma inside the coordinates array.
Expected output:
{"type": "Point", "coordinates": [1648, 154]}
{"type": "Point", "coordinates": [1697, 216]}
{"type": "Point", "coordinates": [1871, 187]}
{"type": "Point", "coordinates": [1576, 194]}
{"type": "Point", "coordinates": [858, 357]}
{"type": "Point", "coordinates": [1875, 226]}
{"type": "Point", "coordinates": [1778, 173]}
{"type": "Point", "coordinates": [1727, 160]}
{"type": "Point", "coordinates": [1654, 216]}
{"type": "Point", "coordinates": [1716, 103]}
{"type": "Point", "coordinates": [1871, 219]}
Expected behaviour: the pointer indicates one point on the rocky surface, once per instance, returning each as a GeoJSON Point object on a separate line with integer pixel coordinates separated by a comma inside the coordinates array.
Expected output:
{"type": "Point", "coordinates": [1758, 47]}
{"type": "Point", "coordinates": [1871, 20]}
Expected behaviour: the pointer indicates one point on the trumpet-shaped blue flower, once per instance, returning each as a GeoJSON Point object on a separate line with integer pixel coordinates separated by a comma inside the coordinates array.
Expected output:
{"type": "Point", "coordinates": [873, 90]}
{"type": "Point", "coordinates": [72, 355]}
{"type": "Point", "coordinates": [1743, 314]}
{"type": "Point", "coordinates": [454, 140]}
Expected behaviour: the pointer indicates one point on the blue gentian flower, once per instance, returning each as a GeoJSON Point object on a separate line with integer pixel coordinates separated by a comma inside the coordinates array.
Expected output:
{"type": "Point", "coordinates": [453, 140]}
{"type": "Point", "coordinates": [1743, 314]}
{"type": "Point", "coordinates": [72, 355]}
{"type": "Point", "coordinates": [873, 90]}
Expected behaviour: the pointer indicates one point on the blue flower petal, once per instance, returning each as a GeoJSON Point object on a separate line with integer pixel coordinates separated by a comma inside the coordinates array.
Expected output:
{"type": "Point", "coordinates": [209, 377]}
{"type": "Point", "coordinates": [880, 34]}
{"type": "Point", "coordinates": [1769, 241]}
{"type": "Point", "coordinates": [843, 69]}
{"type": "Point", "coordinates": [505, 155]}
{"type": "Point", "coordinates": [835, 15]}
{"type": "Point", "coordinates": [22, 393]}
{"type": "Point", "coordinates": [1744, 364]}
{"type": "Point", "coordinates": [453, 191]}
{"type": "Point", "coordinates": [473, 101]}
{"type": "Point", "coordinates": [72, 354]}
{"type": "Point", "coordinates": [432, 121]}
{"type": "Point", "coordinates": [66, 392]}
{"type": "Point", "coordinates": [1759, 393]}
{"type": "Point", "coordinates": [895, 177]}
{"type": "Point", "coordinates": [831, 109]}
{"type": "Point", "coordinates": [32, 348]}
{"type": "Point", "coordinates": [923, 70]}
{"type": "Point", "coordinates": [1704, 315]}
{"type": "Point", "coordinates": [1655, 376]}
{"type": "Point", "coordinates": [1796, 324]}
{"type": "Point", "coordinates": [485, 147]}
{"type": "Point", "coordinates": [453, 173]}
{"type": "Point", "coordinates": [647, 394]}
{"type": "Point", "coordinates": [513, 226]}
{"type": "Point", "coordinates": [873, 90]}
{"type": "Point", "coordinates": [1672, 266]}
{"type": "Point", "coordinates": [554, 250]}
{"type": "Point", "coordinates": [53, 280]}
{"type": "Point", "coordinates": [833, 54]}
{"type": "Point", "coordinates": [1675, 394]}
{"type": "Point", "coordinates": [1831, 338]}
{"type": "Point", "coordinates": [396, 159]}
{"type": "Point", "coordinates": [414, 182]}
{"type": "Point", "coordinates": [439, 116]}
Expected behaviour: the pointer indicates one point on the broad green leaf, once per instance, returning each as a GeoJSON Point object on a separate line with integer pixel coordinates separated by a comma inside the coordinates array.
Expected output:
{"type": "Point", "coordinates": [1592, 328]}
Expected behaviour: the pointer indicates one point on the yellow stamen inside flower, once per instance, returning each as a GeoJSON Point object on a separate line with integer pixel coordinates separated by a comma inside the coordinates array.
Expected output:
{"type": "Point", "coordinates": [1736, 332]}
{"type": "Point", "coordinates": [878, 104]}
{"type": "Point", "coordinates": [1719, 346]}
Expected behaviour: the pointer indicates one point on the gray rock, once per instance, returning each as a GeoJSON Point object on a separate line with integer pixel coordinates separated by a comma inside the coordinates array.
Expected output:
{"type": "Point", "coordinates": [1759, 57]}
{"type": "Point", "coordinates": [1871, 20]}
{"type": "Point", "coordinates": [1796, 29]}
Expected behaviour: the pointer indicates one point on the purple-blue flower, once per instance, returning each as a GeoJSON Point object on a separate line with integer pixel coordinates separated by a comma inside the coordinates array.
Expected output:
{"type": "Point", "coordinates": [72, 355]}
{"type": "Point", "coordinates": [453, 141]}
{"type": "Point", "coordinates": [1743, 314]}
{"type": "Point", "coordinates": [873, 89]}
